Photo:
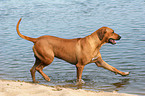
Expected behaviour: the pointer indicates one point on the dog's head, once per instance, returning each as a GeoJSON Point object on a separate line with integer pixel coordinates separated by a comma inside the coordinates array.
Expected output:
{"type": "Point", "coordinates": [107, 35]}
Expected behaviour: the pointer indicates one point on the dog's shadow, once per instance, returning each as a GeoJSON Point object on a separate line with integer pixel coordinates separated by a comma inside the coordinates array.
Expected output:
{"type": "Point", "coordinates": [117, 85]}
{"type": "Point", "coordinates": [122, 83]}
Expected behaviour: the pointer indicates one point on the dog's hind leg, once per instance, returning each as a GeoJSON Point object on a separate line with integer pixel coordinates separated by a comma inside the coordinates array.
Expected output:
{"type": "Point", "coordinates": [39, 68]}
{"type": "Point", "coordinates": [46, 59]}
{"type": "Point", "coordinates": [45, 54]}
{"type": "Point", "coordinates": [33, 69]}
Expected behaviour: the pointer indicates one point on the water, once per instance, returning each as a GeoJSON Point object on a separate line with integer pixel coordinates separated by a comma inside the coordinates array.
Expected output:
{"type": "Point", "coordinates": [71, 19]}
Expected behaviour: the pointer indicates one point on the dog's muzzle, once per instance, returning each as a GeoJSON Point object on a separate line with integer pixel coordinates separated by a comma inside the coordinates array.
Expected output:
{"type": "Point", "coordinates": [112, 41]}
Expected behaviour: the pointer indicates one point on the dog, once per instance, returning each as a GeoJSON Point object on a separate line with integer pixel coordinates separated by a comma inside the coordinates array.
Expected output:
{"type": "Point", "coordinates": [78, 51]}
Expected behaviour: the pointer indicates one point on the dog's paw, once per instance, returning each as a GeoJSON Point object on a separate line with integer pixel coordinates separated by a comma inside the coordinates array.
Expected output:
{"type": "Point", "coordinates": [80, 81]}
{"type": "Point", "coordinates": [126, 73]}
{"type": "Point", "coordinates": [48, 79]}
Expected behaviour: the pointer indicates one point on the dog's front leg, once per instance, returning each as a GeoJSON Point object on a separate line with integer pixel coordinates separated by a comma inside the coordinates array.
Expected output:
{"type": "Point", "coordinates": [79, 68]}
{"type": "Point", "coordinates": [102, 63]}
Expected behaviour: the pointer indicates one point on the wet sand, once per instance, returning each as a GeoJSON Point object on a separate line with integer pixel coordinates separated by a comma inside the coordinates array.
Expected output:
{"type": "Point", "coordinates": [18, 88]}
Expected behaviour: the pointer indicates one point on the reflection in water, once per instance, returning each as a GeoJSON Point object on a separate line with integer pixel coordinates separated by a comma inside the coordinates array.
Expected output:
{"type": "Point", "coordinates": [117, 85]}
{"type": "Point", "coordinates": [72, 84]}
{"type": "Point", "coordinates": [122, 83]}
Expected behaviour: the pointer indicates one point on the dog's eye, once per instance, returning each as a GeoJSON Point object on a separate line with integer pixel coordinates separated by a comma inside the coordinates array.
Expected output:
{"type": "Point", "coordinates": [113, 32]}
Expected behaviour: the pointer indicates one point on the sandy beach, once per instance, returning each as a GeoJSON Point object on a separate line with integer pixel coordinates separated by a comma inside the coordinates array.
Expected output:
{"type": "Point", "coordinates": [18, 88]}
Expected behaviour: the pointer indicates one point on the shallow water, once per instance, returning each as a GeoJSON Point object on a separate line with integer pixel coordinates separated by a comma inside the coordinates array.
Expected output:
{"type": "Point", "coordinates": [71, 19]}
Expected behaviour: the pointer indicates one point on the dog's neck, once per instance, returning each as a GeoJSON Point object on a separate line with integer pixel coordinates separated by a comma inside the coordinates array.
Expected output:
{"type": "Point", "coordinates": [95, 41]}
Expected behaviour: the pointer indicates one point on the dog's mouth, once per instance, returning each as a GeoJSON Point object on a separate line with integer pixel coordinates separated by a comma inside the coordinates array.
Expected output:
{"type": "Point", "coordinates": [112, 41]}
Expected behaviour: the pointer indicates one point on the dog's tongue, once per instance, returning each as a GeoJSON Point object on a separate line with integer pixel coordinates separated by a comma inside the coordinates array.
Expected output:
{"type": "Point", "coordinates": [113, 41]}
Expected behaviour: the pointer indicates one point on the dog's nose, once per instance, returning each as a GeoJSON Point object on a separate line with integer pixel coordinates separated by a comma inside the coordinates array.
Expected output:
{"type": "Point", "coordinates": [119, 37]}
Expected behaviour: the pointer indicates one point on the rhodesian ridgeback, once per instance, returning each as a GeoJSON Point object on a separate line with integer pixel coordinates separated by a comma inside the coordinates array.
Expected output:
{"type": "Point", "coordinates": [78, 51]}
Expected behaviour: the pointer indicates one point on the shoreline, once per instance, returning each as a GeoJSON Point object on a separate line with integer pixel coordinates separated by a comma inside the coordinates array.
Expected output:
{"type": "Point", "coordinates": [20, 88]}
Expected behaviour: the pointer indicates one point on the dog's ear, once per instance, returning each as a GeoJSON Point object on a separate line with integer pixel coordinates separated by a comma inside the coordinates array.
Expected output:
{"type": "Point", "coordinates": [101, 32]}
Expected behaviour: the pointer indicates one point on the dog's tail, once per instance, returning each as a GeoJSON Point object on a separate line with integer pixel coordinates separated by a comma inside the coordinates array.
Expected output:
{"type": "Point", "coordinates": [22, 36]}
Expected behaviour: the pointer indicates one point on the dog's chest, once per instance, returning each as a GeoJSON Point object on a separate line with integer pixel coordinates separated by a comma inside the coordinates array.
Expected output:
{"type": "Point", "coordinates": [95, 58]}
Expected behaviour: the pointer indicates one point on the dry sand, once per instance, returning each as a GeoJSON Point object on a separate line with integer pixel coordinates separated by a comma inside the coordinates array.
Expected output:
{"type": "Point", "coordinates": [17, 88]}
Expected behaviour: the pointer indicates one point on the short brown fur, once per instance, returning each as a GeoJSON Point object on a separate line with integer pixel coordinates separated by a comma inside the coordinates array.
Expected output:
{"type": "Point", "coordinates": [79, 51]}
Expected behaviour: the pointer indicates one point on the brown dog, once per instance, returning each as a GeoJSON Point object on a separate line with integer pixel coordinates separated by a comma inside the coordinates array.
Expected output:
{"type": "Point", "coordinates": [79, 51]}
